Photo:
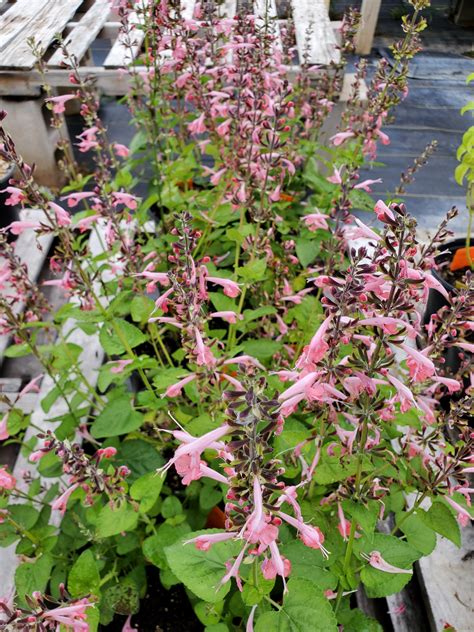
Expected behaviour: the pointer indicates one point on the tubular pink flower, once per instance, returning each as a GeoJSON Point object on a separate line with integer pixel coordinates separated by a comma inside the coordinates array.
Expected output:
{"type": "Point", "coordinates": [231, 288]}
{"type": "Point", "coordinates": [404, 395]}
{"type": "Point", "coordinates": [59, 102]}
{"type": "Point", "coordinates": [467, 346]}
{"type": "Point", "coordinates": [62, 217]}
{"type": "Point", "coordinates": [158, 277]}
{"type": "Point", "coordinates": [31, 386]}
{"type": "Point", "coordinates": [204, 356]}
{"type": "Point", "coordinates": [175, 389]}
{"type": "Point", "coordinates": [73, 199]}
{"type": "Point", "coordinates": [119, 366]}
{"type": "Point", "coordinates": [389, 325]}
{"type": "Point", "coordinates": [249, 626]}
{"type": "Point", "coordinates": [126, 199]}
{"type": "Point", "coordinates": [204, 542]}
{"type": "Point", "coordinates": [464, 517]}
{"type": "Point", "coordinates": [452, 385]}
{"type": "Point", "coordinates": [60, 504]}
{"type": "Point", "coordinates": [314, 221]}
{"type": "Point", "coordinates": [86, 222]}
{"type": "Point", "coordinates": [122, 151]}
{"type": "Point", "coordinates": [419, 366]}
{"type": "Point", "coordinates": [16, 196]}
{"type": "Point", "coordinates": [365, 185]}
{"type": "Point", "coordinates": [311, 536]}
{"type": "Point", "coordinates": [340, 137]}
{"type": "Point", "coordinates": [344, 526]}
{"type": "Point", "coordinates": [336, 177]}
{"type": "Point", "coordinates": [19, 227]}
{"type": "Point", "coordinates": [376, 560]}
{"type": "Point", "coordinates": [362, 231]}
{"type": "Point", "coordinates": [276, 565]}
{"type": "Point", "coordinates": [245, 359]}
{"type": "Point", "coordinates": [300, 386]}
{"type": "Point", "coordinates": [432, 283]}
{"type": "Point", "coordinates": [234, 569]}
{"type": "Point", "coordinates": [383, 212]}
{"type": "Point", "coordinates": [72, 616]}
{"type": "Point", "coordinates": [228, 316]}
{"type": "Point", "coordinates": [317, 348]}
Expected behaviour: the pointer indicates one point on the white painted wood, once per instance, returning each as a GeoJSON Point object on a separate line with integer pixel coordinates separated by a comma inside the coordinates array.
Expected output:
{"type": "Point", "coordinates": [369, 15]}
{"type": "Point", "coordinates": [266, 13]}
{"type": "Point", "coordinates": [230, 8]}
{"type": "Point", "coordinates": [447, 576]}
{"type": "Point", "coordinates": [187, 9]}
{"type": "Point", "coordinates": [83, 33]}
{"type": "Point", "coordinates": [91, 359]}
{"type": "Point", "coordinates": [17, 18]}
{"type": "Point", "coordinates": [32, 251]}
{"type": "Point", "coordinates": [27, 403]}
{"type": "Point", "coordinates": [315, 39]}
{"type": "Point", "coordinates": [49, 18]}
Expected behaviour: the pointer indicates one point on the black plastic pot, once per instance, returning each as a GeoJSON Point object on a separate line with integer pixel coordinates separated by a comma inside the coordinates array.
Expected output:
{"type": "Point", "coordinates": [436, 300]}
{"type": "Point", "coordinates": [8, 213]}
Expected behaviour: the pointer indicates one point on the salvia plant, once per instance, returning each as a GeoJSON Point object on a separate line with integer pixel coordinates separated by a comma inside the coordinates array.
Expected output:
{"type": "Point", "coordinates": [236, 384]}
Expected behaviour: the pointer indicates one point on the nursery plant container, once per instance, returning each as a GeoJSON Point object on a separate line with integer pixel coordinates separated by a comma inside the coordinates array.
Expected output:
{"type": "Point", "coordinates": [436, 300]}
{"type": "Point", "coordinates": [8, 213]}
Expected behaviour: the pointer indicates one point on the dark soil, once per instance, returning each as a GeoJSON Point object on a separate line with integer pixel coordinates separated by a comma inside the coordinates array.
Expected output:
{"type": "Point", "coordinates": [161, 610]}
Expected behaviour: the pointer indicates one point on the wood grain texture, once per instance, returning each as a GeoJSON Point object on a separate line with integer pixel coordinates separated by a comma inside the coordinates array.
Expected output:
{"type": "Point", "coordinates": [127, 45]}
{"type": "Point", "coordinates": [369, 15]}
{"type": "Point", "coordinates": [50, 17]}
{"type": "Point", "coordinates": [314, 36]}
{"type": "Point", "coordinates": [267, 15]}
{"type": "Point", "coordinates": [83, 33]}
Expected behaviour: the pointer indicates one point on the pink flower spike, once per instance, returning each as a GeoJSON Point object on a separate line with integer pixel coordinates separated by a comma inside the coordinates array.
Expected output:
{"type": "Point", "coordinates": [376, 560]}
{"type": "Point", "coordinates": [16, 196]}
{"type": "Point", "coordinates": [419, 366]}
{"type": "Point", "coordinates": [231, 288]}
{"type": "Point", "coordinates": [60, 101]}
{"type": "Point", "coordinates": [19, 227]}
{"type": "Point", "coordinates": [383, 212]}
{"type": "Point", "coordinates": [175, 389]}
{"type": "Point", "coordinates": [60, 504]}
{"type": "Point", "coordinates": [197, 126]}
{"type": "Point", "coordinates": [204, 542]}
{"type": "Point", "coordinates": [340, 137]}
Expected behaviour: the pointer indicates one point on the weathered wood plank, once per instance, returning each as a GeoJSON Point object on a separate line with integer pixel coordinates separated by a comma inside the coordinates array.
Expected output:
{"type": "Point", "coordinates": [369, 15]}
{"type": "Point", "coordinates": [49, 19]}
{"type": "Point", "coordinates": [17, 17]}
{"type": "Point", "coordinates": [447, 578]}
{"type": "Point", "coordinates": [91, 359]}
{"type": "Point", "coordinates": [315, 39]}
{"type": "Point", "coordinates": [127, 45]}
{"type": "Point", "coordinates": [32, 251]}
{"type": "Point", "coordinates": [266, 13]}
{"type": "Point", "coordinates": [83, 33]}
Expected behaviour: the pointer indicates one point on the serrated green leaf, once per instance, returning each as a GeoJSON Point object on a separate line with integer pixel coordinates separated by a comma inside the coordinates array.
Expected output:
{"type": "Point", "coordinates": [440, 519]}
{"type": "Point", "coordinates": [114, 336]}
{"type": "Point", "coordinates": [32, 576]}
{"type": "Point", "coordinates": [147, 489]}
{"type": "Point", "coordinates": [117, 418]}
{"type": "Point", "coordinates": [84, 576]}
{"type": "Point", "coordinates": [418, 534]}
{"type": "Point", "coordinates": [112, 521]}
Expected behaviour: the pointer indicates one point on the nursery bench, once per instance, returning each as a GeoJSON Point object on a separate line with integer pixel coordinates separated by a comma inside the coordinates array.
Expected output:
{"type": "Point", "coordinates": [82, 23]}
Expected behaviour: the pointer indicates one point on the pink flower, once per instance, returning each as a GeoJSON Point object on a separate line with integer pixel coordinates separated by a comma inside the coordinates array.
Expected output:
{"type": "Point", "coordinates": [299, 387]}
{"type": "Point", "coordinates": [121, 150]}
{"type": "Point", "coordinates": [175, 389]}
{"type": "Point", "coordinates": [311, 536]}
{"type": "Point", "coordinates": [315, 220]}
{"type": "Point", "coordinates": [19, 227]}
{"type": "Point", "coordinates": [376, 560]}
{"type": "Point", "coordinates": [4, 434]}
{"type": "Point", "coordinates": [60, 101]}
{"type": "Point", "coordinates": [86, 222]}
{"type": "Point", "coordinates": [233, 569]}
{"type": "Point", "coordinates": [228, 316]}
{"type": "Point", "coordinates": [336, 177]}
{"type": "Point", "coordinates": [7, 481]}
{"type": "Point", "coordinates": [404, 395]}
{"type": "Point", "coordinates": [317, 348]}
{"type": "Point", "coordinates": [60, 504]}
{"type": "Point", "coordinates": [127, 626]}
{"type": "Point", "coordinates": [249, 627]}
{"type": "Point", "coordinates": [362, 231]}
{"type": "Point", "coordinates": [366, 184]}
{"type": "Point", "coordinates": [452, 385]}
{"type": "Point", "coordinates": [216, 177]}
{"type": "Point", "coordinates": [389, 325]}
{"type": "Point", "coordinates": [106, 453]}
{"type": "Point", "coordinates": [62, 217]}
{"type": "Point", "coordinates": [197, 126]}
{"type": "Point", "coordinates": [72, 616]}
{"type": "Point", "coordinates": [466, 346]}
{"type": "Point", "coordinates": [464, 517]}
{"type": "Point", "coordinates": [383, 212]}
{"type": "Point", "coordinates": [16, 196]}
{"type": "Point", "coordinates": [258, 528]}
{"type": "Point", "coordinates": [245, 359]}
{"type": "Point", "coordinates": [73, 199]}
{"type": "Point", "coordinates": [340, 137]}
{"type": "Point", "coordinates": [130, 201]}
{"type": "Point", "coordinates": [204, 355]}
{"type": "Point", "coordinates": [119, 366]}
{"type": "Point", "coordinates": [204, 542]}
{"type": "Point", "coordinates": [231, 288]}
{"type": "Point", "coordinates": [276, 565]}
{"type": "Point", "coordinates": [344, 526]}
{"type": "Point", "coordinates": [419, 366]}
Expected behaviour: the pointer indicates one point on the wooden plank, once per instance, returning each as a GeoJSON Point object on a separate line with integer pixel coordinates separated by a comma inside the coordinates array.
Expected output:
{"type": "Point", "coordinates": [27, 403]}
{"type": "Point", "coordinates": [83, 33]}
{"type": "Point", "coordinates": [50, 18]}
{"type": "Point", "coordinates": [315, 39]}
{"type": "Point", "coordinates": [32, 251]}
{"type": "Point", "coordinates": [17, 17]}
{"type": "Point", "coordinates": [447, 578]}
{"type": "Point", "coordinates": [91, 359]}
{"type": "Point", "coordinates": [266, 13]}
{"type": "Point", "coordinates": [369, 15]}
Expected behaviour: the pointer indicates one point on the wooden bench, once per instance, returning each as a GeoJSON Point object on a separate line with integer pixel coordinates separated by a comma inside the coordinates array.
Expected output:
{"type": "Point", "coordinates": [83, 22]}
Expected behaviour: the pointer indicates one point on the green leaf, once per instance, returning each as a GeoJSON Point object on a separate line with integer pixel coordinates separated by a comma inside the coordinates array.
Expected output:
{"type": "Point", "coordinates": [171, 507]}
{"type": "Point", "coordinates": [113, 336]}
{"type": "Point", "coordinates": [419, 535]}
{"type": "Point", "coordinates": [17, 351]}
{"type": "Point", "coordinates": [202, 571]}
{"type": "Point", "coordinates": [306, 250]}
{"type": "Point", "coordinates": [84, 576]}
{"type": "Point", "coordinates": [365, 516]}
{"type": "Point", "coordinates": [309, 564]}
{"type": "Point", "coordinates": [262, 349]}
{"type": "Point", "coordinates": [139, 456]}
{"type": "Point", "coordinates": [24, 515]}
{"type": "Point", "coordinates": [395, 552]}
{"type": "Point", "coordinates": [332, 469]}
{"type": "Point", "coordinates": [32, 576]}
{"type": "Point", "coordinates": [166, 535]}
{"type": "Point", "coordinates": [141, 307]}
{"type": "Point", "coordinates": [112, 521]}
{"type": "Point", "coordinates": [360, 622]}
{"type": "Point", "coordinates": [117, 418]}
{"type": "Point", "coordinates": [305, 609]}
{"type": "Point", "coordinates": [147, 489]}
{"type": "Point", "coordinates": [440, 519]}
{"type": "Point", "coordinates": [253, 270]}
